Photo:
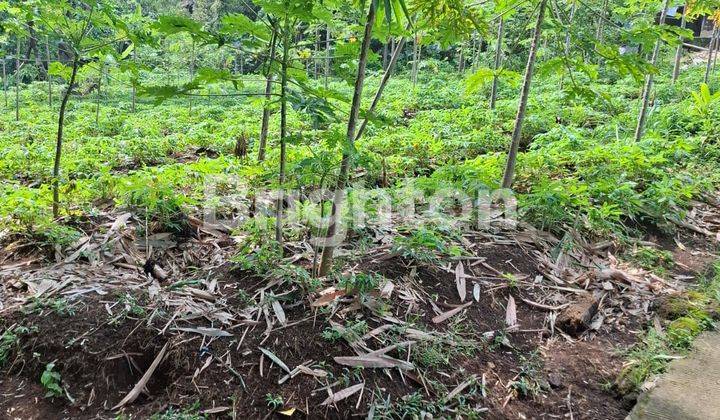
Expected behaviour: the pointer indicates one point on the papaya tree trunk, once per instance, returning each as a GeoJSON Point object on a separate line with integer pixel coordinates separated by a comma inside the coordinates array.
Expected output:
{"type": "Point", "coordinates": [192, 71]}
{"type": "Point", "coordinates": [327, 55]}
{"type": "Point", "coordinates": [59, 142]}
{"type": "Point", "coordinates": [326, 259]}
{"type": "Point", "coordinates": [642, 117]}
{"type": "Point", "coordinates": [679, 49]}
{"type": "Point", "coordinates": [600, 29]}
{"type": "Point", "coordinates": [268, 93]}
{"type": "Point", "coordinates": [476, 53]}
{"type": "Point", "coordinates": [5, 93]}
{"type": "Point", "coordinates": [567, 37]}
{"type": "Point", "coordinates": [49, 78]}
{"type": "Point", "coordinates": [283, 132]}
{"type": "Point", "coordinates": [416, 58]}
{"type": "Point", "coordinates": [133, 91]}
{"type": "Point", "coordinates": [383, 83]}
{"type": "Point", "coordinates": [461, 59]}
{"type": "Point", "coordinates": [17, 81]}
{"type": "Point", "coordinates": [600, 32]}
{"type": "Point", "coordinates": [316, 54]}
{"type": "Point", "coordinates": [385, 55]}
{"type": "Point", "coordinates": [711, 48]}
{"type": "Point", "coordinates": [567, 32]}
{"type": "Point", "coordinates": [97, 97]}
{"type": "Point", "coordinates": [717, 51]}
{"type": "Point", "coordinates": [524, 94]}
{"type": "Point", "coordinates": [498, 62]}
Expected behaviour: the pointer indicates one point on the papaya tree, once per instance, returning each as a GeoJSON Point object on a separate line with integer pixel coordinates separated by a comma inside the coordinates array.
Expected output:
{"type": "Point", "coordinates": [13, 23]}
{"type": "Point", "coordinates": [509, 173]}
{"type": "Point", "coordinates": [274, 29]}
{"type": "Point", "coordinates": [450, 20]}
{"type": "Point", "coordinates": [326, 259]}
{"type": "Point", "coordinates": [649, 78]}
{"type": "Point", "coordinates": [497, 62]}
{"type": "Point", "coordinates": [679, 48]}
{"type": "Point", "coordinates": [88, 28]}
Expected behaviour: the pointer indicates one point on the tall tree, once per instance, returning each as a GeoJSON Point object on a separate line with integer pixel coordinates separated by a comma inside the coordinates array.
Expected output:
{"type": "Point", "coordinates": [88, 28]}
{"type": "Point", "coordinates": [383, 82]}
{"type": "Point", "coordinates": [417, 50]}
{"type": "Point", "coordinates": [714, 40]}
{"type": "Point", "coordinates": [101, 73]}
{"type": "Point", "coordinates": [327, 54]}
{"type": "Point", "coordinates": [497, 63]}
{"type": "Point", "coordinates": [647, 90]}
{"type": "Point", "coordinates": [269, 74]}
{"type": "Point", "coordinates": [17, 80]}
{"type": "Point", "coordinates": [524, 95]}
{"type": "Point", "coordinates": [49, 77]}
{"type": "Point", "coordinates": [326, 259]}
{"type": "Point", "coordinates": [4, 75]}
{"type": "Point", "coordinates": [283, 130]}
{"type": "Point", "coordinates": [679, 48]}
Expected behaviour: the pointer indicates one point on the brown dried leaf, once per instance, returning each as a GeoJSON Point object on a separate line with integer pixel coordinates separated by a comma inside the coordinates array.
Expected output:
{"type": "Point", "coordinates": [370, 361]}
{"type": "Point", "coordinates": [342, 394]}
{"type": "Point", "coordinates": [275, 359]}
{"type": "Point", "coordinates": [137, 389]}
{"type": "Point", "coordinates": [279, 312]}
{"type": "Point", "coordinates": [511, 312]}
{"type": "Point", "coordinates": [460, 281]}
{"type": "Point", "coordinates": [445, 315]}
{"type": "Point", "coordinates": [327, 296]}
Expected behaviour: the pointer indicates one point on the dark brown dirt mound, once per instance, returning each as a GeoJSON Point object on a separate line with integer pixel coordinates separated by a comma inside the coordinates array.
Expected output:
{"type": "Point", "coordinates": [101, 356]}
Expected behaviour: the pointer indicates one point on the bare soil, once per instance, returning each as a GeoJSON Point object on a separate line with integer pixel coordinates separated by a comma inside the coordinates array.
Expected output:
{"type": "Point", "coordinates": [527, 370]}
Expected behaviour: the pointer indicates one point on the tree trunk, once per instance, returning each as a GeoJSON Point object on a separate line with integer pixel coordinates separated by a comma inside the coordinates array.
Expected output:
{"type": "Point", "coordinates": [524, 94]}
{"type": "Point", "coordinates": [649, 80]}
{"type": "Point", "coordinates": [476, 54]}
{"type": "Point", "coordinates": [567, 32]}
{"type": "Point", "coordinates": [566, 49]}
{"type": "Point", "coordinates": [498, 62]}
{"type": "Point", "coordinates": [49, 78]}
{"type": "Point", "coordinates": [717, 51]}
{"type": "Point", "coordinates": [5, 93]}
{"type": "Point", "coordinates": [385, 55]}
{"type": "Point", "coordinates": [192, 70]}
{"type": "Point", "coordinates": [97, 98]}
{"type": "Point", "coordinates": [268, 93]}
{"type": "Point", "coordinates": [283, 133]}
{"type": "Point", "coordinates": [461, 59]}
{"type": "Point", "coordinates": [58, 144]}
{"type": "Point", "coordinates": [133, 92]}
{"type": "Point", "coordinates": [329, 248]}
{"type": "Point", "coordinates": [317, 52]}
{"type": "Point", "coordinates": [416, 57]}
{"type": "Point", "coordinates": [17, 81]}
{"type": "Point", "coordinates": [383, 83]}
{"type": "Point", "coordinates": [327, 55]}
{"type": "Point", "coordinates": [600, 32]}
{"type": "Point", "coordinates": [711, 48]}
{"type": "Point", "coordinates": [679, 50]}
{"type": "Point", "coordinates": [32, 41]}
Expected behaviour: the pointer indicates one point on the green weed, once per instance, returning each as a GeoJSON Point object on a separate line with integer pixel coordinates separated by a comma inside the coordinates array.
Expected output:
{"type": "Point", "coordinates": [50, 380]}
